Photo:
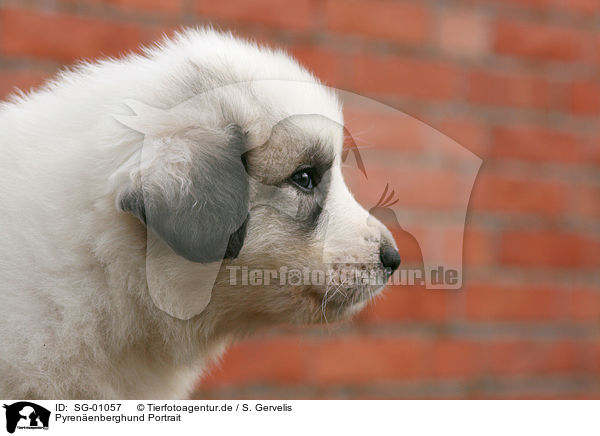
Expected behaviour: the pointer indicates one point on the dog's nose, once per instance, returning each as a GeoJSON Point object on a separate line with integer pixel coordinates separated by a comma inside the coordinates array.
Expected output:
{"type": "Point", "coordinates": [390, 258]}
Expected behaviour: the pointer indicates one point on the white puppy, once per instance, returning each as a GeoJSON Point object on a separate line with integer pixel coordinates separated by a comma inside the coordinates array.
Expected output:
{"type": "Point", "coordinates": [133, 191]}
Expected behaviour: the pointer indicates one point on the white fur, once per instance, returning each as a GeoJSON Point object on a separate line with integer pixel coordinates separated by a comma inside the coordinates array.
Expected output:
{"type": "Point", "coordinates": [76, 318]}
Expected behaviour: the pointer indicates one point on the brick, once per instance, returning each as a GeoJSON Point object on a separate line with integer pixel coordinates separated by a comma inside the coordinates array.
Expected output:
{"type": "Point", "coordinates": [388, 130]}
{"type": "Point", "coordinates": [411, 303]}
{"type": "Point", "coordinates": [429, 188]}
{"type": "Point", "coordinates": [154, 6]}
{"type": "Point", "coordinates": [452, 358]}
{"type": "Point", "coordinates": [360, 360]}
{"type": "Point", "coordinates": [479, 247]}
{"type": "Point", "coordinates": [536, 144]}
{"type": "Point", "coordinates": [502, 193]}
{"type": "Point", "coordinates": [584, 304]}
{"type": "Point", "coordinates": [405, 77]}
{"type": "Point", "coordinates": [463, 34]}
{"type": "Point", "coordinates": [63, 37]}
{"type": "Point", "coordinates": [534, 393]}
{"type": "Point", "coordinates": [449, 243]}
{"type": "Point", "coordinates": [541, 4]}
{"type": "Point", "coordinates": [295, 15]}
{"type": "Point", "coordinates": [509, 89]}
{"type": "Point", "coordinates": [594, 363]}
{"type": "Point", "coordinates": [592, 151]}
{"type": "Point", "coordinates": [270, 360]}
{"type": "Point", "coordinates": [595, 49]}
{"type": "Point", "coordinates": [586, 201]}
{"type": "Point", "coordinates": [539, 41]}
{"type": "Point", "coordinates": [325, 64]}
{"type": "Point", "coordinates": [400, 22]}
{"type": "Point", "coordinates": [469, 133]}
{"type": "Point", "coordinates": [584, 98]}
{"type": "Point", "coordinates": [580, 6]}
{"type": "Point", "coordinates": [547, 248]}
{"type": "Point", "coordinates": [24, 80]}
{"type": "Point", "coordinates": [572, 6]}
{"type": "Point", "coordinates": [487, 302]}
{"type": "Point", "coordinates": [534, 358]}
{"type": "Point", "coordinates": [158, 33]}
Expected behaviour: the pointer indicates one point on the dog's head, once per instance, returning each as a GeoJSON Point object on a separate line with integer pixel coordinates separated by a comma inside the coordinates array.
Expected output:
{"type": "Point", "coordinates": [241, 190]}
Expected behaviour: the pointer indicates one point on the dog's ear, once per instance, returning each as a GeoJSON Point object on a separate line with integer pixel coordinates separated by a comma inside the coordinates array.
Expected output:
{"type": "Point", "coordinates": [197, 200]}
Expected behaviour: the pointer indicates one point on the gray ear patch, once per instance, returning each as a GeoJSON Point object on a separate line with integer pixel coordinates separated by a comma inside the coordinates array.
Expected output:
{"type": "Point", "coordinates": [133, 201]}
{"type": "Point", "coordinates": [207, 222]}
{"type": "Point", "coordinates": [236, 241]}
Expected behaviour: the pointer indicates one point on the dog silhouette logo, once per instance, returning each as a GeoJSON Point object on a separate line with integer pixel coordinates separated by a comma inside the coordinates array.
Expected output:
{"type": "Point", "coordinates": [26, 415]}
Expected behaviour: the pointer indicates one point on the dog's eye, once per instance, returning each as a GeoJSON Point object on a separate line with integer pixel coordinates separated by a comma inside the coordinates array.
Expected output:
{"type": "Point", "coordinates": [304, 179]}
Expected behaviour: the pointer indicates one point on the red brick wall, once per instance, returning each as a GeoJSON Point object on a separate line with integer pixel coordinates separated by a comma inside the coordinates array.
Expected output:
{"type": "Point", "coordinates": [517, 82]}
